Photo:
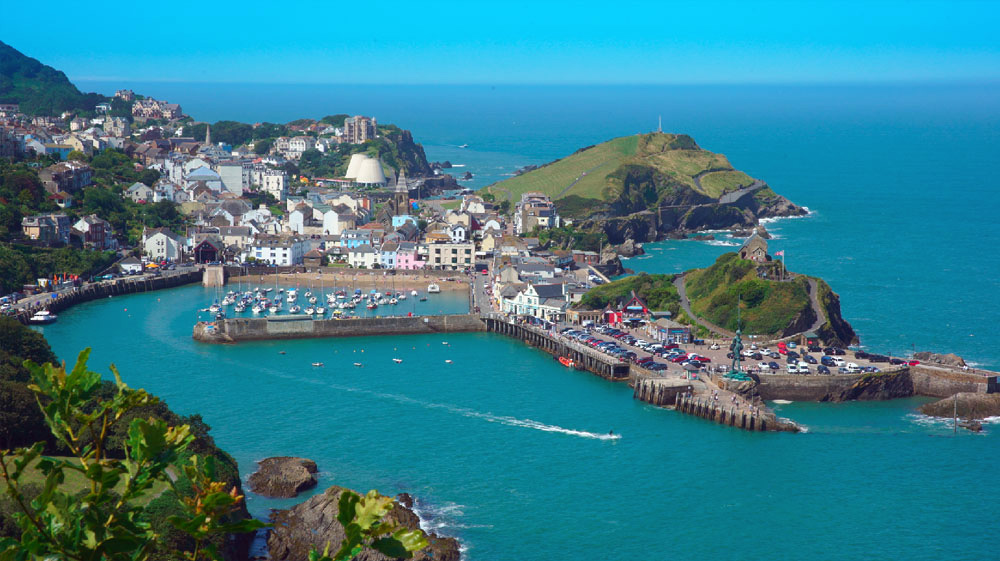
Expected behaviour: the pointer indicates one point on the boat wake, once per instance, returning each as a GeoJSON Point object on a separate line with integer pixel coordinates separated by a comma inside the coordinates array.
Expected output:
{"type": "Point", "coordinates": [466, 412]}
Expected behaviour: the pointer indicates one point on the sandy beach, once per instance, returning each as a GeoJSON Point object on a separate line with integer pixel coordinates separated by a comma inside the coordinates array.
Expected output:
{"type": "Point", "coordinates": [362, 279]}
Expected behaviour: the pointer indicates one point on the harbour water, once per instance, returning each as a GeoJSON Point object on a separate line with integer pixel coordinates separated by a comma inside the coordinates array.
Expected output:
{"type": "Point", "coordinates": [510, 451]}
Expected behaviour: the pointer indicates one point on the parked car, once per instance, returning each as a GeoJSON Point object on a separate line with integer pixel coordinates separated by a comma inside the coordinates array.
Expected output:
{"type": "Point", "coordinates": [853, 368]}
{"type": "Point", "coordinates": [809, 359]}
{"type": "Point", "coordinates": [897, 361]}
{"type": "Point", "coordinates": [827, 361]}
{"type": "Point", "coordinates": [822, 369]}
{"type": "Point", "coordinates": [773, 365]}
{"type": "Point", "coordinates": [815, 349]}
{"type": "Point", "coordinates": [913, 362]}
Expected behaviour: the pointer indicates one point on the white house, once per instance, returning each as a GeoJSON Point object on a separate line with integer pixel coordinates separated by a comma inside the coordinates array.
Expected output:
{"type": "Point", "coordinates": [160, 244]}
{"type": "Point", "coordinates": [458, 233]}
{"type": "Point", "coordinates": [130, 265]}
{"type": "Point", "coordinates": [546, 301]}
{"type": "Point", "coordinates": [140, 192]}
{"type": "Point", "coordinates": [277, 250]}
{"type": "Point", "coordinates": [276, 183]}
{"type": "Point", "coordinates": [363, 257]}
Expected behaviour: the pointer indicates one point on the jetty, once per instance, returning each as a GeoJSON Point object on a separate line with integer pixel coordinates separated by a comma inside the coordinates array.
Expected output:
{"type": "Point", "coordinates": [583, 357]}
{"type": "Point", "coordinates": [235, 330]}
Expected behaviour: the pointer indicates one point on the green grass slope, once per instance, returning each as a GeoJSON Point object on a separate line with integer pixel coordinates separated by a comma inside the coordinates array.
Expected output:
{"type": "Point", "coordinates": [768, 307]}
{"type": "Point", "coordinates": [38, 88]}
{"type": "Point", "coordinates": [606, 172]}
{"type": "Point", "coordinates": [657, 291]}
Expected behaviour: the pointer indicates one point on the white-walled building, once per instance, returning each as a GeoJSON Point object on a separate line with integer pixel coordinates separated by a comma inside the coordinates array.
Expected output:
{"type": "Point", "coordinates": [277, 250]}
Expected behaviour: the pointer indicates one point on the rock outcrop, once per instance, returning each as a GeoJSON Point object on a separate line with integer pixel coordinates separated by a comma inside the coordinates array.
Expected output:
{"type": "Point", "coordinates": [283, 476]}
{"type": "Point", "coordinates": [878, 387]}
{"type": "Point", "coordinates": [313, 524]}
{"type": "Point", "coordinates": [949, 359]}
{"type": "Point", "coordinates": [970, 406]}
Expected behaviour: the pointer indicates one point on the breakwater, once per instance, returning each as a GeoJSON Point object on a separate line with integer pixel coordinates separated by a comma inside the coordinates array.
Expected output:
{"type": "Point", "coordinates": [117, 287]}
{"type": "Point", "coordinates": [234, 330]}
{"type": "Point", "coordinates": [584, 358]}
{"type": "Point", "coordinates": [761, 419]}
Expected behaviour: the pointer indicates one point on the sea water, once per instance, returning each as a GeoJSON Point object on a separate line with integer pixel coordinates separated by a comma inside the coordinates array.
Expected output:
{"type": "Point", "coordinates": [513, 454]}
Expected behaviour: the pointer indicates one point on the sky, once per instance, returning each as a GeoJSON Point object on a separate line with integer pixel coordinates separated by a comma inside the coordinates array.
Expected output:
{"type": "Point", "coordinates": [510, 42]}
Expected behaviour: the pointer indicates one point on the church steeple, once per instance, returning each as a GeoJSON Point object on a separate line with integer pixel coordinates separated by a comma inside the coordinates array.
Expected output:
{"type": "Point", "coordinates": [208, 135]}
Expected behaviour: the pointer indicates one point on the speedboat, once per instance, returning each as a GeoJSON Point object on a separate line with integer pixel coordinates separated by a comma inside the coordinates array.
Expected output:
{"type": "Point", "coordinates": [257, 308]}
{"type": "Point", "coordinates": [433, 288]}
{"type": "Point", "coordinates": [397, 360]}
{"type": "Point", "coordinates": [372, 305]}
{"type": "Point", "coordinates": [317, 364]}
{"type": "Point", "coordinates": [393, 301]}
{"type": "Point", "coordinates": [312, 299]}
{"type": "Point", "coordinates": [310, 311]}
{"type": "Point", "coordinates": [320, 311]}
{"type": "Point", "coordinates": [43, 317]}
{"type": "Point", "coordinates": [413, 293]}
{"type": "Point", "coordinates": [294, 309]}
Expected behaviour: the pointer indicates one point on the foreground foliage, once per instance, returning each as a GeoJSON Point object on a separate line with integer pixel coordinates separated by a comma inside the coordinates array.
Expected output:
{"type": "Point", "coordinates": [111, 516]}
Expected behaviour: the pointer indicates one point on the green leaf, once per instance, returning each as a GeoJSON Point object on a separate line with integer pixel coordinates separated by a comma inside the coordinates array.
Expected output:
{"type": "Point", "coordinates": [347, 504]}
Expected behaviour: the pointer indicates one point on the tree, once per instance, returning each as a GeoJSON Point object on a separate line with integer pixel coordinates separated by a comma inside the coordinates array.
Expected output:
{"type": "Point", "coordinates": [77, 155]}
{"type": "Point", "coordinates": [261, 147]}
{"type": "Point", "coordinates": [149, 177]}
{"type": "Point", "coordinates": [334, 120]}
{"type": "Point", "coordinates": [106, 520]}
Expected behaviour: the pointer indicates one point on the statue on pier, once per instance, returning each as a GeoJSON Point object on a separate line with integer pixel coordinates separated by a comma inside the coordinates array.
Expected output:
{"type": "Point", "coordinates": [735, 373]}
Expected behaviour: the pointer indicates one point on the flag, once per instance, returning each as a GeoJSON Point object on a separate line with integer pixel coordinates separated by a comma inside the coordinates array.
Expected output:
{"type": "Point", "coordinates": [781, 253]}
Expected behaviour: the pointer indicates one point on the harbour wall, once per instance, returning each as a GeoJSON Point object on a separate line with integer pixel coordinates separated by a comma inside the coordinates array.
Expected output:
{"type": "Point", "coordinates": [930, 381]}
{"type": "Point", "coordinates": [731, 415]}
{"type": "Point", "coordinates": [235, 330]}
{"type": "Point", "coordinates": [584, 358]}
{"type": "Point", "coordinates": [116, 287]}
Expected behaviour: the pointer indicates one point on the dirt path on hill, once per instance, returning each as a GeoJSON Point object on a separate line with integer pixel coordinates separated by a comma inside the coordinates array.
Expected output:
{"type": "Point", "coordinates": [686, 306]}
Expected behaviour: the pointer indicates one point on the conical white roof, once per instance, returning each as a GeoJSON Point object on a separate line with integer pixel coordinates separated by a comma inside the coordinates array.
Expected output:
{"type": "Point", "coordinates": [354, 166]}
{"type": "Point", "coordinates": [370, 173]}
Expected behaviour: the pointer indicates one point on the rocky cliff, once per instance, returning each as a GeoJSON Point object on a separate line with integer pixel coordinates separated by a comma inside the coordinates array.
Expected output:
{"type": "Point", "coordinates": [871, 387]}
{"type": "Point", "coordinates": [313, 524]}
{"type": "Point", "coordinates": [969, 406]}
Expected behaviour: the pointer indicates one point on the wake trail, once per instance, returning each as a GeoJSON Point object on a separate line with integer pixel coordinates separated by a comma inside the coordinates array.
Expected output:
{"type": "Point", "coordinates": [463, 411]}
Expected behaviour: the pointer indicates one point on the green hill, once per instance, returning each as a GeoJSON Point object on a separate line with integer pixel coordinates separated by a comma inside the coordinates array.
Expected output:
{"type": "Point", "coordinates": [768, 307]}
{"type": "Point", "coordinates": [38, 88]}
{"type": "Point", "coordinates": [630, 174]}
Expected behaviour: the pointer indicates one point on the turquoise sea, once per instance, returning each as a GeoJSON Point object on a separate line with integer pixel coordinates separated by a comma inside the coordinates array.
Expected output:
{"type": "Point", "coordinates": [509, 451]}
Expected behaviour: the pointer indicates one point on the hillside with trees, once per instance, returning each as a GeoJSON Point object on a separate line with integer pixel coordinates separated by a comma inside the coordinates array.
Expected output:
{"type": "Point", "coordinates": [39, 88]}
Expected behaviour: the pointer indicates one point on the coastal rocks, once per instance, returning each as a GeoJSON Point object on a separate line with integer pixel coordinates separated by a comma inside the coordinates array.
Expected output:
{"type": "Point", "coordinates": [629, 248]}
{"type": "Point", "coordinates": [466, 176]}
{"type": "Point", "coordinates": [949, 359]}
{"type": "Point", "coordinates": [874, 387]}
{"type": "Point", "coordinates": [441, 165]}
{"type": "Point", "coordinates": [703, 237]}
{"type": "Point", "coordinates": [313, 524]}
{"type": "Point", "coordinates": [283, 476]}
{"type": "Point", "coordinates": [970, 406]}
{"type": "Point", "coordinates": [638, 227]}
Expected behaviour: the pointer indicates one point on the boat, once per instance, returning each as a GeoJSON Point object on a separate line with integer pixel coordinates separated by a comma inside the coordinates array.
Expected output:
{"type": "Point", "coordinates": [257, 309]}
{"type": "Point", "coordinates": [372, 305]}
{"type": "Point", "coordinates": [413, 293]}
{"type": "Point", "coordinates": [423, 298]}
{"type": "Point", "coordinates": [397, 360]}
{"type": "Point", "coordinates": [447, 361]}
{"type": "Point", "coordinates": [393, 301]}
{"type": "Point", "coordinates": [310, 311]}
{"type": "Point", "coordinates": [433, 288]}
{"type": "Point", "coordinates": [312, 299]}
{"type": "Point", "coordinates": [43, 317]}
{"type": "Point", "coordinates": [320, 311]}
{"type": "Point", "coordinates": [567, 362]}
{"type": "Point", "coordinates": [358, 364]}
{"type": "Point", "coordinates": [294, 309]}
{"type": "Point", "coordinates": [463, 145]}
{"type": "Point", "coordinates": [317, 364]}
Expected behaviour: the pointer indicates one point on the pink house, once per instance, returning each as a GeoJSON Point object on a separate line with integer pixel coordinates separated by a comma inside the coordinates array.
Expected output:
{"type": "Point", "coordinates": [407, 258]}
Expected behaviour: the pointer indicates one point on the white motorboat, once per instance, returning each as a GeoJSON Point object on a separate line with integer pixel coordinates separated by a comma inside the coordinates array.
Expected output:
{"type": "Point", "coordinates": [433, 288]}
{"type": "Point", "coordinates": [43, 317]}
{"type": "Point", "coordinates": [413, 293]}
{"type": "Point", "coordinates": [310, 311]}
{"type": "Point", "coordinates": [320, 311]}
{"type": "Point", "coordinates": [294, 309]}
{"type": "Point", "coordinates": [257, 308]}
{"type": "Point", "coordinates": [312, 299]}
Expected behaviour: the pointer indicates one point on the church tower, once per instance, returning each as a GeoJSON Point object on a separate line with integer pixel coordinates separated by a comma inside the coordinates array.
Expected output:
{"type": "Point", "coordinates": [208, 135]}
{"type": "Point", "coordinates": [401, 194]}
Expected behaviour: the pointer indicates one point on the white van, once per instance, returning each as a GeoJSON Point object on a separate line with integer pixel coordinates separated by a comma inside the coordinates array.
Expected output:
{"type": "Point", "coordinates": [792, 368]}
{"type": "Point", "coordinates": [803, 367]}
{"type": "Point", "coordinates": [853, 368]}
{"type": "Point", "coordinates": [837, 361]}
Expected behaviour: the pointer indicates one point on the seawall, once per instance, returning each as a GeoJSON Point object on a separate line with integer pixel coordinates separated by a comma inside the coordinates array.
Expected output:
{"type": "Point", "coordinates": [104, 289]}
{"type": "Point", "coordinates": [235, 330]}
{"type": "Point", "coordinates": [929, 381]}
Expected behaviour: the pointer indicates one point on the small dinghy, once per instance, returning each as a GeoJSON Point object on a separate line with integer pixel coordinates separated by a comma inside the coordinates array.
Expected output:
{"type": "Point", "coordinates": [358, 364]}
{"type": "Point", "coordinates": [397, 360]}
{"type": "Point", "coordinates": [317, 364]}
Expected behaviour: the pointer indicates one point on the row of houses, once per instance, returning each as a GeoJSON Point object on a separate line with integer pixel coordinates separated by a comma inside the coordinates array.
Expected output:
{"type": "Point", "coordinates": [55, 228]}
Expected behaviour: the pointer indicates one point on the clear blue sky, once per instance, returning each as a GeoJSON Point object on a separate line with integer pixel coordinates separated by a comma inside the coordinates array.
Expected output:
{"type": "Point", "coordinates": [338, 41]}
